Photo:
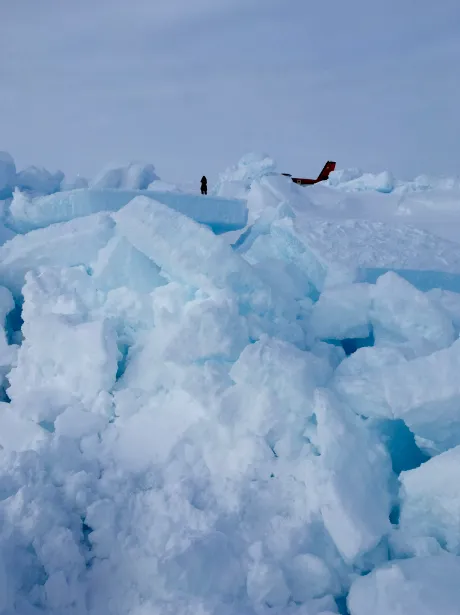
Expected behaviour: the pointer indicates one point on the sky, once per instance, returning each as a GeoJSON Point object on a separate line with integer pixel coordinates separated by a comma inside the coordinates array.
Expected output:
{"type": "Point", "coordinates": [192, 85]}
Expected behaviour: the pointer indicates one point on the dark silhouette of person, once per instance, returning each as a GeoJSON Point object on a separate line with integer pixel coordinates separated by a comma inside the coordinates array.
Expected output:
{"type": "Point", "coordinates": [204, 185]}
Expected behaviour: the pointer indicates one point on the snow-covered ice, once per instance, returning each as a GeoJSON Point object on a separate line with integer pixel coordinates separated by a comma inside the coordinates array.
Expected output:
{"type": "Point", "coordinates": [241, 403]}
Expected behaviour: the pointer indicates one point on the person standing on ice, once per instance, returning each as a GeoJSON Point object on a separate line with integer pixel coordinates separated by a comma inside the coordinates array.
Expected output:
{"type": "Point", "coordinates": [204, 185]}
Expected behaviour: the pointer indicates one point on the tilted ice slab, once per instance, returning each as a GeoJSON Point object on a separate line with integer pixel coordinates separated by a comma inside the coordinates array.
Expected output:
{"type": "Point", "coordinates": [430, 500]}
{"type": "Point", "coordinates": [70, 243]}
{"type": "Point", "coordinates": [119, 264]}
{"type": "Point", "coordinates": [274, 241]}
{"type": "Point", "coordinates": [342, 312]}
{"type": "Point", "coordinates": [400, 313]}
{"type": "Point", "coordinates": [396, 312]}
{"type": "Point", "coordinates": [353, 478]}
{"type": "Point", "coordinates": [192, 255]}
{"type": "Point", "coordinates": [423, 392]}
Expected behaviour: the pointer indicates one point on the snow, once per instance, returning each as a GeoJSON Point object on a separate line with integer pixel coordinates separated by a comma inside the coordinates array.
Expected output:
{"type": "Point", "coordinates": [245, 402]}
{"type": "Point", "coordinates": [18, 433]}
{"type": "Point", "coordinates": [376, 245]}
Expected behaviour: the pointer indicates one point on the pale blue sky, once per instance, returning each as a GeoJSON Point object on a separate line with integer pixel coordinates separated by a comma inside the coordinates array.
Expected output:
{"type": "Point", "coordinates": [191, 85]}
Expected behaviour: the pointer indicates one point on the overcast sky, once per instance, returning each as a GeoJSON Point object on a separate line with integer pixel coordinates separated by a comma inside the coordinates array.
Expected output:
{"type": "Point", "coordinates": [191, 85]}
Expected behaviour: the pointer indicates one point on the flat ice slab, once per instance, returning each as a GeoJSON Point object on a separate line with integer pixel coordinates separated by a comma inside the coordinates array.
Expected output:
{"type": "Point", "coordinates": [220, 214]}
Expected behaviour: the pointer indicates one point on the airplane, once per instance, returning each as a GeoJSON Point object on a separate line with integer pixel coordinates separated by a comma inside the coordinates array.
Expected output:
{"type": "Point", "coordinates": [328, 168]}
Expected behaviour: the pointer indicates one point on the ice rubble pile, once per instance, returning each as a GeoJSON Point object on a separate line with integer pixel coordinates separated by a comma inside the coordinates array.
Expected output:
{"type": "Point", "coordinates": [185, 427]}
{"type": "Point", "coordinates": [32, 180]}
{"type": "Point", "coordinates": [135, 176]}
{"type": "Point", "coordinates": [38, 181]}
{"type": "Point", "coordinates": [236, 181]}
{"type": "Point", "coordinates": [356, 180]}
